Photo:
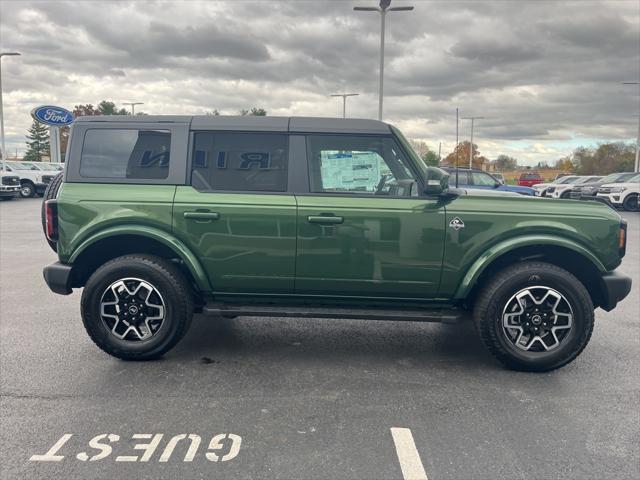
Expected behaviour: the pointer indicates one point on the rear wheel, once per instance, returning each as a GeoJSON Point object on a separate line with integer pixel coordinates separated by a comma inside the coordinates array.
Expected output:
{"type": "Point", "coordinates": [534, 316]}
{"type": "Point", "coordinates": [137, 307]}
{"type": "Point", "coordinates": [630, 203]}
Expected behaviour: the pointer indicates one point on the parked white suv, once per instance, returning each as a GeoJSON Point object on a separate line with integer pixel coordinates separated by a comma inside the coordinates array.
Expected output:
{"type": "Point", "coordinates": [623, 195]}
{"type": "Point", "coordinates": [563, 190]}
{"type": "Point", "coordinates": [540, 189]}
{"type": "Point", "coordinates": [33, 179]}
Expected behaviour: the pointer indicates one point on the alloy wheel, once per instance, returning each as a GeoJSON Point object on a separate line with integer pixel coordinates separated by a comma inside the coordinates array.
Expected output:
{"type": "Point", "coordinates": [537, 319]}
{"type": "Point", "coordinates": [132, 309]}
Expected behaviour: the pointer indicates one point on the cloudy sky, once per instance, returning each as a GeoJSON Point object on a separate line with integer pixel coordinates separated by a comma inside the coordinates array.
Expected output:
{"type": "Point", "coordinates": [546, 75]}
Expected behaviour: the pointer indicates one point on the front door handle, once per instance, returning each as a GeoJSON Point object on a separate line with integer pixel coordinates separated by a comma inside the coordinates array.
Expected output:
{"type": "Point", "coordinates": [201, 215]}
{"type": "Point", "coordinates": [325, 219]}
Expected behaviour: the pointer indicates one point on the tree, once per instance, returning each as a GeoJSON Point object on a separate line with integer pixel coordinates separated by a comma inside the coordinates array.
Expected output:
{"type": "Point", "coordinates": [565, 164]}
{"type": "Point", "coordinates": [461, 156]}
{"type": "Point", "coordinates": [255, 112]}
{"type": "Point", "coordinates": [212, 113]}
{"type": "Point", "coordinates": [606, 158]}
{"type": "Point", "coordinates": [428, 156]}
{"type": "Point", "coordinates": [106, 107]}
{"type": "Point", "coordinates": [505, 162]}
{"type": "Point", "coordinates": [38, 146]}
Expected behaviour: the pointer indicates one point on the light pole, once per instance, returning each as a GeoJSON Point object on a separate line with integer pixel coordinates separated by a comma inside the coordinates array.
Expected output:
{"type": "Point", "coordinates": [344, 101]}
{"type": "Point", "coordinates": [3, 152]}
{"type": "Point", "coordinates": [473, 119]}
{"type": "Point", "coordinates": [636, 167]}
{"type": "Point", "coordinates": [383, 9]}
{"type": "Point", "coordinates": [133, 106]}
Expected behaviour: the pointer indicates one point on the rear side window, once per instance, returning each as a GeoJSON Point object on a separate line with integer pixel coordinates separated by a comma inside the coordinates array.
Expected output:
{"type": "Point", "coordinates": [243, 162]}
{"type": "Point", "coordinates": [126, 153]}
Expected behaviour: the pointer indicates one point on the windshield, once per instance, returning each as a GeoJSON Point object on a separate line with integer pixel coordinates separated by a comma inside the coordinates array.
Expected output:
{"type": "Point", "coordinates": [567, 179]}
{"type": "Point", "coordinates": [49, 167]}
{"type": "Point", "coordinates": [19, 166]}
{"type": "Point", "coordinates": [618, 177]}
{"type": "Point", "coordinates": [580, 180]}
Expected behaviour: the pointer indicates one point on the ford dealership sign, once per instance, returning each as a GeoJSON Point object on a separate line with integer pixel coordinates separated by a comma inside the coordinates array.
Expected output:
{"type": "Point", "coordinates": [52, 116]}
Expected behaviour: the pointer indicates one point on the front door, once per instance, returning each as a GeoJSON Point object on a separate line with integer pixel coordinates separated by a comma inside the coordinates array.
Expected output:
{"type": "Point", "coordinates": [236, 215]}
{"type": "Point", "coordinates": [364, 230]}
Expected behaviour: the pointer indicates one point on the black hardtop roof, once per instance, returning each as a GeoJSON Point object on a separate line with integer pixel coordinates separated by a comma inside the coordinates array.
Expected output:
{"type": "Point", "coordinates": [253, 123]}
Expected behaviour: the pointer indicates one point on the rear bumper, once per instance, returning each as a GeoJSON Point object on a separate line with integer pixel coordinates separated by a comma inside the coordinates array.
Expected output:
{"type": "Point", "coordinates": [615, 288]}
{"type": "Point", "coordinates": [58, 277]}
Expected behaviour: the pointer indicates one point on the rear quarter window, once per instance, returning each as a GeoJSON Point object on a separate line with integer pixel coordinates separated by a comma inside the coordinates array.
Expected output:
{"type": "Point", "coordinates": [126, 154]}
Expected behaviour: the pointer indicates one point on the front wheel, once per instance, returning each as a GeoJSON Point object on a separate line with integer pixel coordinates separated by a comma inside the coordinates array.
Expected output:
{"type": "Point", "coordinates": [534, 316]}
{"type": "Point", "coordinates": [27, 190]}
{"type": "Point", "coordinates": [137, 307]}
{"type": "Point", "coordinates": [630, 203]}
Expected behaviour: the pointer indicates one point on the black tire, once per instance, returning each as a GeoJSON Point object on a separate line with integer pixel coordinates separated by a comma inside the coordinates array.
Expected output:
{"type": "Point", "coordinates": [501, 289]}
{"type": "Point", "coordinates": [630, 203]}
{"type": "Point", "coordinates": [27, 189]}
{"type": "Point", "coordinates": [565, 195]}
{"type": "Point", "coordinates": [175, 293]}
{"type": "Point", "coordinates": [50, 193]}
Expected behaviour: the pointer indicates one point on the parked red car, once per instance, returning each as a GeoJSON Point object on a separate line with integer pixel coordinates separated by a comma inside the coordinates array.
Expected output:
{"type": "Point", "coordinates": [529, 179]}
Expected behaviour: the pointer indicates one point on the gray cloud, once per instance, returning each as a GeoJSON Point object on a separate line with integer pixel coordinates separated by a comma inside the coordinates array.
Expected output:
{"type": "Point", "coordinates": [539, 71]}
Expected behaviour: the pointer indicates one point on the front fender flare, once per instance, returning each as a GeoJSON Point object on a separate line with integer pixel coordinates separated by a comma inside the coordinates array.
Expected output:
{"type": "Point", "coordinates": [181, 250]}
{"type": "Point", "coordinates": [499, 249]}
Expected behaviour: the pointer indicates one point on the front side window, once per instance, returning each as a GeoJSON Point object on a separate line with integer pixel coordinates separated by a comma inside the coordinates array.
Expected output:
{"type": "Point", "coordinates": [242, 162]}
{"type": "Point", "coordinates": [126, 154]}
{"type": "Point", "coordinates": [358, 165]}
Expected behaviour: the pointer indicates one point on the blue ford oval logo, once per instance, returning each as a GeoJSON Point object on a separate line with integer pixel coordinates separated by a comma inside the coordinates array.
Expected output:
{"type": "Point", "coordinates": [54, 116]}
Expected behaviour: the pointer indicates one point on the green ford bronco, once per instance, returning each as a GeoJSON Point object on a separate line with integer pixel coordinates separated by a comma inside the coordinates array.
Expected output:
{"type": "Point", "coordinates": [161, 217]}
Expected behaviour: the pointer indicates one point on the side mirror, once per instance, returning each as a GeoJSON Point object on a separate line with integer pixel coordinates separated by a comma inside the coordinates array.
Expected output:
{"type": "Point", "coordinates": [436, 181]}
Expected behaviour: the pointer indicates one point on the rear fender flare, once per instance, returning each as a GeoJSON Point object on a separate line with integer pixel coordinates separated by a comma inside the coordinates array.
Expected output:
{"type": "Point", "coordinates": [181, 250]}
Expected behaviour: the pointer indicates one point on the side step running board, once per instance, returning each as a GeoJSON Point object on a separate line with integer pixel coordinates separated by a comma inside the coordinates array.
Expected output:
{"type": "Point", "coordinates": [233, 310]}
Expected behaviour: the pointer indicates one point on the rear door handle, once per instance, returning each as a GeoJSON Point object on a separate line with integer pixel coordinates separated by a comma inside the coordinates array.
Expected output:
{"type": "Point", "coordinates": [201, 215]}
{"type": "Point", "coordinates": [325, 219]}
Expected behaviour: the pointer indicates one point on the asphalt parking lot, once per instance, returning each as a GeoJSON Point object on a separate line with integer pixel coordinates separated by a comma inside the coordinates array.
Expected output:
{"type": "Point", "coordinates": [302, 399]}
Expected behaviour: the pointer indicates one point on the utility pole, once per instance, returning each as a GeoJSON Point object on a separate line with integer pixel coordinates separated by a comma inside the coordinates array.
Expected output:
{"type": "Point", "coordinates": [3, 152]}
{"type": "Point", "coordinates": [133, 106]}
{"type": "Point", "coordinates": [636, 167]}
{"type": "Point", "coordinates": [456, 147]}
{"type": "Point", "coordinates": [473, 119]}
{"type": "Point", "coordinates": [382, 10]}
{"type": "Point", "coordinates": [344, 101]}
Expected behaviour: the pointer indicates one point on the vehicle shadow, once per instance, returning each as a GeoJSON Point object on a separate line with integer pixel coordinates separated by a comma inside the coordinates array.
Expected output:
{"type": "Point", "coordinates": [313, 341]}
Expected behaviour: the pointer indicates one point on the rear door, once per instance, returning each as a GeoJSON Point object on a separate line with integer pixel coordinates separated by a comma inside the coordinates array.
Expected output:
{"type": "Point", "coordinates": [235, 213]}
{"type": "Point", "coordinates": [363, 229]}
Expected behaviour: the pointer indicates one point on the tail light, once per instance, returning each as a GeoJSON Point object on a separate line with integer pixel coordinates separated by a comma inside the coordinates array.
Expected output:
{"type": "Point", "coordinates": [51, 220]}
{"type": "Point", "coordinates": [622, 238]}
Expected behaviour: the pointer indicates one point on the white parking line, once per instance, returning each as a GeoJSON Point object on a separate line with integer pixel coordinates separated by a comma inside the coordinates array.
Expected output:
{"type": "Point", "coordinates": [408, 456]}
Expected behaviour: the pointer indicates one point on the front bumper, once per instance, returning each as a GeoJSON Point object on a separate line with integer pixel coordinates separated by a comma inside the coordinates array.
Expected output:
{"type": "Point", "coordinates": [611, 198]}
{"type": "Point", "coordinates": [8, 191]}
{"type": "Point", "coordinates": [58, 277]}
{"type": "Point", "coordinates": [615, 288]}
